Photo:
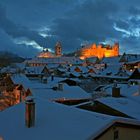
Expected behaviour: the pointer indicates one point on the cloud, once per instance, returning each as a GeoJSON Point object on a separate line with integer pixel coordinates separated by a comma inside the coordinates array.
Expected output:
{"type": "Point", "coordinates": [99, 21]}
{"type": "Point", "coordinates": [16, 30]}
{"type": "Point", "coordinates": [36, 13]}
{"type": "Point", "coordinates": [7, 44]}
{"type": "Point", "coordinates": [89, 21]}
{"type": "Point", "coordinates": [37, 23]}
{"type": "Point", "coordinates": [35, 37]}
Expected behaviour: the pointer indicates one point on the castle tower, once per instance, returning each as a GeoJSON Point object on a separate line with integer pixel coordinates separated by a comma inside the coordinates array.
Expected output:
{"type": "Point", "coordinates": [116, 49]}
{"type": "Point", "coordinates": [58, 49]}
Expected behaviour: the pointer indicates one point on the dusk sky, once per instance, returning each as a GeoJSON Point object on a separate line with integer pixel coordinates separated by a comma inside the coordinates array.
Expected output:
{"type": "Point", "coordinates": [28, 25]}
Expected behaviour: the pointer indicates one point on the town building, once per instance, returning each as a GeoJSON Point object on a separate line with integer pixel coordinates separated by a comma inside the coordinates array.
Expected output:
{"type": "Point", "coordinates": [99, 51]}
{"type": "Point", "coordinates": [46, 53]}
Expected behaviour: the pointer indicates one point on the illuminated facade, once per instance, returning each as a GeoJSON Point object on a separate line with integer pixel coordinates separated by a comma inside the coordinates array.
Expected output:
{"type": "Point", "coordinates": [47, 54]}
{"type": "Point", "coordinates": [99, 51]}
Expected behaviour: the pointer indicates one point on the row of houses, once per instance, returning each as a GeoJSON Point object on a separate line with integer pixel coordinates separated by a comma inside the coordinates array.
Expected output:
{"type": "Point", "coordinates": [56, 121]}
{"type": "Point", "coordinates": [13, 90]}
{"type": "Point", "coordinates": [51, 119]}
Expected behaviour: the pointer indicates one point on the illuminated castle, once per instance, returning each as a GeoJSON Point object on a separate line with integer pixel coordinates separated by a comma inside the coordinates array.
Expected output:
{"type": "Point", "coordinates": [47, 54]}
{"type": "Point", "coordinates": [99, 51]}
{"type": "Point", "coordinates": [92, 50]}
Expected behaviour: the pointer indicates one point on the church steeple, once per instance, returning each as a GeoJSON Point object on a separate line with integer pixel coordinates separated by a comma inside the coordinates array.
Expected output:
{"type": "Point", "coordinates": [58, 49]}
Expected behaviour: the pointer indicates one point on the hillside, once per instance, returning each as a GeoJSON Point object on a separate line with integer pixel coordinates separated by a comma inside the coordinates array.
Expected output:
{"type": "Point", "coordinates": [6, 58]}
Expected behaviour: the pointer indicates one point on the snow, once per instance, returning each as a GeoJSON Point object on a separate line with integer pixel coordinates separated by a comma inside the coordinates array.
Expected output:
{"type": "Point", "coordinates": [61, 69]}
{"type": "Point", "coordinates": [130, 91]}
{"type": "Point", "coordinates": [53, 122]}
{"type": "Point", "coordinates": [111, 68]}
{"type": "Point", "coordinates": [36, 84]}
{"type": "Point", "coordinates": [21, 66]}
{"type": "Point", "coordinates": [125, 90]}
{"type": "Point", "coordinates": [92, 59]}
{"type": "Point", "coordinates": [82, 68]}
{"type": "Point", "coordinates": [110, 60]}
{"type": "Point", "coordinates": [124, 105]}
{"type": "Point", "coordinates": [131, 57]}
{"type": "Point", "coordinates": [21, 79]}
{"type": "Point", "coordinates": [8, 69]}
{"type": "Point", "coordinates": [56, 60]}
{"type": "Point", "coordinates": [45, 90]}
{"type": "Point", "coordinates": [69, 92]}
{"type": "Point", "coordinates": [76, 74]}
{"type": "Point", "coordinates": [34, 70]}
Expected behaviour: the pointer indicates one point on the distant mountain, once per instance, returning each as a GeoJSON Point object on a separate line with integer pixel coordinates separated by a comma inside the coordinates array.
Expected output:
{"type": "Point", "coordinates": [7, 58]}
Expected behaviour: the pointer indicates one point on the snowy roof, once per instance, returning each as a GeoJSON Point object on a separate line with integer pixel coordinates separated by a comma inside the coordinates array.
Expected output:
{"type": "Point", "coordinates": [110, 60]}
{"type": "Point", "coordinates": [127, 90]}
{"type": "Point", "coordinates": [56, 60]}
{"type": "Point", "coordinates": [113, 71]}
{"type": "Point", "coordinates": [76, 74]}
{"type": "Point", "coordinates": [111, 68]}
{"type": "Point", "coordinates": [20, 65]}
{"type": "Point", "coordinates": [34, 70]}
{"type": "Point", "coordinates": [50, 83]}
{"type": "Point", "coordinates": [92, 59]}
{"type": "Point", "coordinates": [8, 69]}
{"type": "Point", "coordinates": [61, 69]}
{"type": "Point", "coordinates": [124, 105]}
{"type": "Point", "coordinates": [132, 62]}
{"type": "Point", "coordinates": [52, 65]}
{"type": "Point", "coordinates": [82, 68]}
{"type": "Point", "coordinates": [68, 92]}
{"type": "Point", "coordinates": [54, 122]}
{"type": "Point", "coordinates": [131, 57]}
{"type": "Point", "coordinates": [21, 79]}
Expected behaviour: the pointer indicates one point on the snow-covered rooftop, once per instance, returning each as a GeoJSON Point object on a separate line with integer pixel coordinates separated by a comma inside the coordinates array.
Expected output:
{"type": "Point", "coordinates": [53, 122]}
{"type": "Point", "coordinates": [124, 105]}
{"type": "Point", "coordinates": [21, 79]}
{"type": "Point", "coordinates": [34, 70]}
{"type": "Point", "coordinates": [127, 90]}
{"type": "Point", "coordinates": [111, 60]}
{"type": "Point", "coordinates": [131, 57]}
{"type": "Point", "coordinates": [68, 92]}
{"type": "Point", "coordinates": [56, 60]}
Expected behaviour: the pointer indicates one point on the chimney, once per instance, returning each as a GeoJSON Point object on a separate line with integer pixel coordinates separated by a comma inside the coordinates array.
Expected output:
{"type": "Point", "coordinates": [115, 91]}
{"type": "Point", "coordinates": [60, 86]}
{"type": "Point", "coordinates": [52, 76]}
{"type": "Point", "coordinates": [29, 112]}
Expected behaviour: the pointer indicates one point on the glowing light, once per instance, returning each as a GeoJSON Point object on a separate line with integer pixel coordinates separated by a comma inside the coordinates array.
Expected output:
{"type": "Point", "coordinates": [46, 53]}
{"type": "Point", "coordinates": [99, 51]}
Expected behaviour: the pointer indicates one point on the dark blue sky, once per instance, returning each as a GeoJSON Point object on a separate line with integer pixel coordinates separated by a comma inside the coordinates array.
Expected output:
{"type": "Point", "coordinates": [28, 25]}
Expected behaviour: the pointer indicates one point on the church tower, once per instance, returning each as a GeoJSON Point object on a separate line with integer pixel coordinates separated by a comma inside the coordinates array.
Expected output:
{"type": "Point", "coordinates": [58, 49]}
